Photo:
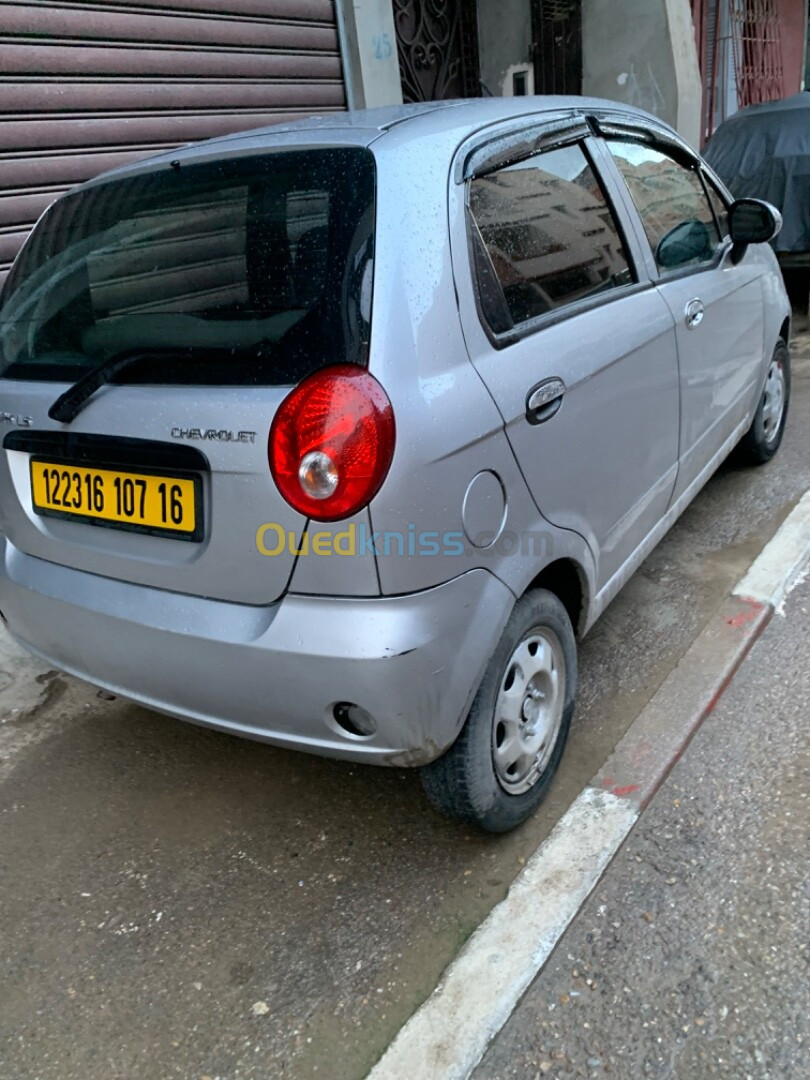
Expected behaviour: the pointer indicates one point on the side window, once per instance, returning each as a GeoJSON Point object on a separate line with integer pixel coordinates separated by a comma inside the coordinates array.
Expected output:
{"type": "Point", "coordinates": [543, 237]}
{"type": "Point", "coordinates": [718, 205]}
{"type": "Point", "coordinates": [671, 203]}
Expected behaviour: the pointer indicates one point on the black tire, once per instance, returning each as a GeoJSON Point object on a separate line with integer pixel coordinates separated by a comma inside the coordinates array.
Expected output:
{"type": "Point", "coordinates": [759, 444]}
{"type": "Point", "coordinates": [464, 783]}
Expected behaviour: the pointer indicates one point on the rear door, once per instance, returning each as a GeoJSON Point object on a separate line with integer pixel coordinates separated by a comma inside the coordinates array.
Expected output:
{"type": "Point", "coordinates": [221, 284]}
{"type": "Point", "coordinates": [575, 345]}
{"type": "Point", "coordinates": [717, 305]}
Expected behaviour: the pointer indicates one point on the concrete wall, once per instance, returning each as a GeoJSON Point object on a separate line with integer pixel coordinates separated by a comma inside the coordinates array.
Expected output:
{"type": "Point", "coordinates": [504, 35]}
{"type": "Point", "coordinates": [368, 47]}
{"type": "Point", "coordinates": [643, 53]}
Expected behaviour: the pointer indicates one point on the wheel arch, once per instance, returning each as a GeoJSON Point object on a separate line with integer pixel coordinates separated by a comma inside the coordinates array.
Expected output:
{"type": "Point", "coordinates": [568, 581]}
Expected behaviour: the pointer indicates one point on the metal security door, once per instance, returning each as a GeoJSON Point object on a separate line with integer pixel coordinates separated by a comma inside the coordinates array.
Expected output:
{"type": "Point", "coordinates": [437, 42]}
{"type": "Point", "coordinates": [557, 46]}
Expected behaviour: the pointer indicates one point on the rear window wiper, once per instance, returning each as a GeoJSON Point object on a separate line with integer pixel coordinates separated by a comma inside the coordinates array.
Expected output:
{"type": "Point", "coordinates": [69, 404]}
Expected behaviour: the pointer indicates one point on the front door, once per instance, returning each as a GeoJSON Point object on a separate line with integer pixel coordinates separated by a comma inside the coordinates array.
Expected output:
{"type": "Point", "coordinates": [580, 357]}
{"type": "Point", "coordinates": [717, 305]}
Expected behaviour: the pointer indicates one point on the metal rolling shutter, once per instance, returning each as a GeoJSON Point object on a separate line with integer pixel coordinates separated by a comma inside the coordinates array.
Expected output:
{"type": "Point", "coordinates": [85, 86]}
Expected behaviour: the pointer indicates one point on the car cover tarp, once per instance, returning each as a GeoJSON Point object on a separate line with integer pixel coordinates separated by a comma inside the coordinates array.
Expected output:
{"type": "Point", "coordinates": [764, 152]}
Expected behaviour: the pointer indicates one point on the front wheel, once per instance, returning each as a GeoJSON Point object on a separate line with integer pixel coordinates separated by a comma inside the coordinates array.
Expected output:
{"type": "Point", "coordinates": [763, 438]}
{"type": "Point", "coordinates": [499, 769]}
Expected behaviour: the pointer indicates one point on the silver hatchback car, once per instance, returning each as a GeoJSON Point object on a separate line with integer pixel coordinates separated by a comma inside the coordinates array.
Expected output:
{"type": "Point", "coordinates": [337, 434]}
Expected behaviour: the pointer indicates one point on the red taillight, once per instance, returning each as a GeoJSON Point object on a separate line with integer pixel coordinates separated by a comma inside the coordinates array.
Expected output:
{"type": "Point", "coordinates": [331, 442]}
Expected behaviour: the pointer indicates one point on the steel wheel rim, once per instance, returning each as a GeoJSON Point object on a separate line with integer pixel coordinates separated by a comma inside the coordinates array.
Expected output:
{"type": "Point", "coordinates": [773, 401]}
{"type": "Point", "coordinates": [528, 711]}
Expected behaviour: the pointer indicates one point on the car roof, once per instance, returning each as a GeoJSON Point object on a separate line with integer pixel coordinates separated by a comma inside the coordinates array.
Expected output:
{"type": "Point", "coordinates": [458, 112]}
{"type": "Point", "coordinates": [464, 115]}
{"type": "Point", "coordinates": [458, 119]}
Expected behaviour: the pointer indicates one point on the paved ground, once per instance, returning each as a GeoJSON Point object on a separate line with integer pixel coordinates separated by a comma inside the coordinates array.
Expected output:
{"type": "Point", "coordinates": [179, 902]}
{"type": "Point", "coordinates": [691, 957]}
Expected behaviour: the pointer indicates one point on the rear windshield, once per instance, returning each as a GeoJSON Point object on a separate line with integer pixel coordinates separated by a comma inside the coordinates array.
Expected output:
{"type": "Point", "coordinates": [249, 271]}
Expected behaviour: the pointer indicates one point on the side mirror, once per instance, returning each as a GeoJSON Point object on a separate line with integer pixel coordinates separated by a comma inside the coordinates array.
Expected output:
{"type": "Point", "coordinates": [752, 221]}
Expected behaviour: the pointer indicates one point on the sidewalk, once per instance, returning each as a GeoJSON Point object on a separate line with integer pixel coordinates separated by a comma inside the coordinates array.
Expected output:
{"type": "Point", "coordinates": [691, 957]}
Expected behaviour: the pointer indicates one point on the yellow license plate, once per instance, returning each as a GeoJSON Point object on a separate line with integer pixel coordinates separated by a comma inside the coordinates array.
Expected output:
{"type": "Point", "coordinates": [158, 503]}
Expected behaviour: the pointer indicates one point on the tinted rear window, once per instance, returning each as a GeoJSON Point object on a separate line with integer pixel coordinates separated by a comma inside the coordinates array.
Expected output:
{"type": "Point", "coordinates": [250, 271]}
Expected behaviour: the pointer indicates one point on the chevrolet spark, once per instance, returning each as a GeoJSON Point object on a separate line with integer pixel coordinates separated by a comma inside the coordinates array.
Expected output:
{"type": "Point", "coordinates": [338, 434]}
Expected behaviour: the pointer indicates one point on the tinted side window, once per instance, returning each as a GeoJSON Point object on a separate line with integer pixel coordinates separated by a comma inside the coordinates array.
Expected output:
{"type": "Point", "coordinates": [546, 229]}
{"type": "Point", "coordinates": [671, 203]}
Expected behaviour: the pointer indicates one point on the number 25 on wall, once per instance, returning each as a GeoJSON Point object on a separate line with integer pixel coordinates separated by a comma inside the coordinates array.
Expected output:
{"type": "Point", "coordinates": [382, 46]}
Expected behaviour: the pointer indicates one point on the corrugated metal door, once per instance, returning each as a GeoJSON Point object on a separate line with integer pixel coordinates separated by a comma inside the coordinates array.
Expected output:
{"type": "Point", "coordinates": [85, 86]}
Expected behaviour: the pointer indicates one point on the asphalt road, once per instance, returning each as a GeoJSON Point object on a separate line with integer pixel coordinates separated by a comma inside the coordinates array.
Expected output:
{"type": "Point", "coordinates": [690, 959]}
{"type": "Point", "coordinates": [174, 901]}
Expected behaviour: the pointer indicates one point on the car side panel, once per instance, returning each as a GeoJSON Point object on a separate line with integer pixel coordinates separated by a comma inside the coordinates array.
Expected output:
{"type": "Point", "coordinates": [777, 309]}
{"type": "Point", "coordinates": [605, 464]}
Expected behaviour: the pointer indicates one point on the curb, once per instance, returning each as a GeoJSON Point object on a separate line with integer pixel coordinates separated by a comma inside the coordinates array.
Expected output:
{"type": "Point", "coordinates": [448, 1035]}
{"type": "Point", "coordinates": [655, 741]}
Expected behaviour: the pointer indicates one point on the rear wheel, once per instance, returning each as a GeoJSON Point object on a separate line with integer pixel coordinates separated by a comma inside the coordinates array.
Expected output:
{"type": "Point", "coordinates": [763, 438]}
{"type": "Point", "coordinates": [500, 767]}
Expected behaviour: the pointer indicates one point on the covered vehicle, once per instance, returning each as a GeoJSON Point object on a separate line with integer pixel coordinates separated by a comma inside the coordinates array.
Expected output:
{"type": "Point", "coordinates": [763, 152]}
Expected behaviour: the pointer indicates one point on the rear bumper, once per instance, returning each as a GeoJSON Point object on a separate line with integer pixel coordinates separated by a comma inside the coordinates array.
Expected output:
{"type": "Point", "coordinates": [273, 672]}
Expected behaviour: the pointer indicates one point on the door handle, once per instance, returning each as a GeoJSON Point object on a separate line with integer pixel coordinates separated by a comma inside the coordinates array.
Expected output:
{"type": "Point", "coordinates": [694, 313]}
{"type": "Point", "coordinates": [544, 400]}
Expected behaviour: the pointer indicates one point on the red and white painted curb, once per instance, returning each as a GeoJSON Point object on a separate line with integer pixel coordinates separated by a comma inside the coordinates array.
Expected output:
{"type": "Point", "coordinates": [446, 1038]}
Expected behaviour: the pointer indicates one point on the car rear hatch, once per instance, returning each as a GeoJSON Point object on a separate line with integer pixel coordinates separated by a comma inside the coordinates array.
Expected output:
{"type": "Point", "coordinates": [198, 293]}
